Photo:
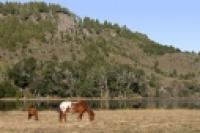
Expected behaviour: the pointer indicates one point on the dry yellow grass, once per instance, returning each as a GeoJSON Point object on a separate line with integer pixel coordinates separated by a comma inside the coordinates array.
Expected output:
{"type": "Point", "coordinates": [118, 121]}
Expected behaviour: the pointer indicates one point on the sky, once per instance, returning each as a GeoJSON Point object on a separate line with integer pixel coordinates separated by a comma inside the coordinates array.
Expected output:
{"type": "Point", "coordinates": [169, 22]}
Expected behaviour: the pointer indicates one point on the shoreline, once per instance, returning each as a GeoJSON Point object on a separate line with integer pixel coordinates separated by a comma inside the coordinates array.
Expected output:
{"type": "Point", "coordinates": [67, 98]}
{"type": "Point", "coordinates": [95, 98]}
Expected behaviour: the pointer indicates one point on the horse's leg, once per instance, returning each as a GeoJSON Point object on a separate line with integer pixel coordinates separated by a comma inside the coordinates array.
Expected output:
{"type": "Point", "coordinates": [81, 115]}
{"type": "Point", "coordinates": [61, 115]}
{"type": "Point", "coordinates": [29, 116]}
{"type": "Point", "coordinates": [36, 116]}
{"type": "Point", "coordinates": [65, 116]}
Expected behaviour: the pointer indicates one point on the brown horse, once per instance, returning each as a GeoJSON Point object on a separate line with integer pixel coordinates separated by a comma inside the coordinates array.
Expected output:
{"type": "Point", "coordinates": [81, 107]}
{"type": "Point", "coordinates": [32, 111]}
{"type": "Point", "coordinates": [76, 107]}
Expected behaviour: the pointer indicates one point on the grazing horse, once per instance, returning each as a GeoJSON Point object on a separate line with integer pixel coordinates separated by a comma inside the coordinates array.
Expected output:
{"type": "Point", "coordinates": [64, 108]}
{"type": "Point", "coordinates": [32, 111]}
{"type": "Point", "coordinates": [76, 107]}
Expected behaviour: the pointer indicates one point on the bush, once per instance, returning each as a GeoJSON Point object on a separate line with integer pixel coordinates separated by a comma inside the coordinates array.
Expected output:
{"type": "Point", "coordinates": [7, 89]}
{"type": "Point", "coordinates": [2, 92]}
{"type": "Point", "coordinates": [23, 72]}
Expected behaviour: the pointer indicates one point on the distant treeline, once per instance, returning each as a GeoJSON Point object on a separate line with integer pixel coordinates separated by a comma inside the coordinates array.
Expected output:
{"type": "Point", "coordinates": [80, 79]}
{"type": "Point", "coordinates": [72, 79]}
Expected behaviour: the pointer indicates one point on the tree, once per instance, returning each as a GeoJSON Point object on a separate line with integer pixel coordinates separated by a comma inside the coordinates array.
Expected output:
{"type": "Point", "coordinates": [22, 73]}
{"type": "Point", "coordinates": [7, 89]}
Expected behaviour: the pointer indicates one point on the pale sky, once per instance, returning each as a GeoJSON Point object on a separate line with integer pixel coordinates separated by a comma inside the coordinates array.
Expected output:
{"type": "Point", "coordinates": [171, 22]}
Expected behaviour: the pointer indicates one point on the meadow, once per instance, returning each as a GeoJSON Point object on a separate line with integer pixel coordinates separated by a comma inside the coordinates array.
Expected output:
{"type": "Point", "coordinates": [107, 121]}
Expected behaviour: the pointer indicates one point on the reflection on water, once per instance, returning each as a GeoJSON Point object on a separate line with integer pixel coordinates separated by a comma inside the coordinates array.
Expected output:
{"type": "Point", "coordinates": [108, 104]}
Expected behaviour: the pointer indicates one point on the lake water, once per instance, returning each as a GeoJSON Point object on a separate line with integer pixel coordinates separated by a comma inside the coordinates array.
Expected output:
{"type": "Point", "coordinates": [145, 103]}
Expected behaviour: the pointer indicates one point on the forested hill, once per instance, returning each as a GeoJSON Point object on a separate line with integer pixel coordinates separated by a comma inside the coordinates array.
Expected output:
{"type": "Point", "coordinates": [47, 50]}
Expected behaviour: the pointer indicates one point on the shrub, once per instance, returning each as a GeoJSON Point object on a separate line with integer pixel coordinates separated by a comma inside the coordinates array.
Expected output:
{"type": "Point", "coordinates": [7, 89]}
{"type": "Point", "coordinates": [22, 73]}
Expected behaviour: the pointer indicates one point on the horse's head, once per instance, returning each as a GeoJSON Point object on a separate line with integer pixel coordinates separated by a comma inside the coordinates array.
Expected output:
{"type": "Point", "coordinates": [91, 115]}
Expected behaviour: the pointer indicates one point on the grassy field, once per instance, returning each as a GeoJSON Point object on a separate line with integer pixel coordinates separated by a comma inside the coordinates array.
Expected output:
{"type": "Point", "coordinates": [117, 121]}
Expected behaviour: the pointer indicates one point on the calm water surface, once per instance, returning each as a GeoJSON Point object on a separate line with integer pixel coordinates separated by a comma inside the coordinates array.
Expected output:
{"type": "Point", "coordinates": [145, 103]}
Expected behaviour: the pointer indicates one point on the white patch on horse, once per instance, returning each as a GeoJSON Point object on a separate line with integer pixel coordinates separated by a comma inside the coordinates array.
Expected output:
{"type": "Point", "coordinates": [65, 105]}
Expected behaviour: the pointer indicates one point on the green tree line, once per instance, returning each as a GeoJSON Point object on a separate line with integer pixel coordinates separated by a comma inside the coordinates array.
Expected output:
{"type": "Point", "coordinates": [80, 79]}
{"type": "Point", "coordinates": [72, 79]}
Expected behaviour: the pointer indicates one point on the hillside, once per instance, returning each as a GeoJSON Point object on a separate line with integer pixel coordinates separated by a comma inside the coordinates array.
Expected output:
{"type": "Point", "coordinates": [47, 50]}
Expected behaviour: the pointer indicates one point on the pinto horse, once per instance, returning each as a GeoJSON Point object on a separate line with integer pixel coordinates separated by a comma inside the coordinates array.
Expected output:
{"type": "Point", "coordinates": [32, 111]}
{"type": "Point", "coordinates": [64, 108]}
{"type": "Point", "coordinates": [76, 107]}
